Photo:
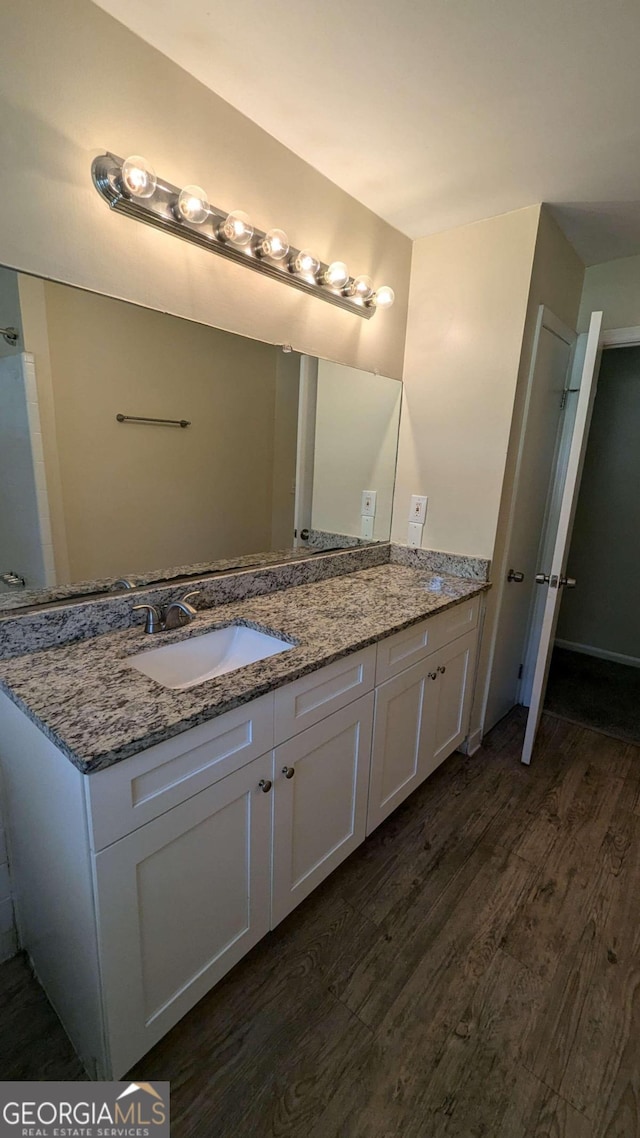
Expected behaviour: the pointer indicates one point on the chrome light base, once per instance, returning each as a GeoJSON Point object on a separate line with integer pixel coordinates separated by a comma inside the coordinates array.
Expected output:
{"type": "Point", "coordinates": [160, 211]}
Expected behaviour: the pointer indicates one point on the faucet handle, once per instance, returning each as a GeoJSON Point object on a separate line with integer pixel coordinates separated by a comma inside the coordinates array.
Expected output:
{"type": "Point", "coordinates": [154, 620]}
{"type": "Point", "coordinates": [187, 596]}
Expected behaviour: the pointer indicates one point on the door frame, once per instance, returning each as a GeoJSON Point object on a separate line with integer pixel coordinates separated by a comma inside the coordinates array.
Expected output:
{"type": "Point", "coordinates": [545, 319]}
{"type": "Point", "coordinates": [612, 338]}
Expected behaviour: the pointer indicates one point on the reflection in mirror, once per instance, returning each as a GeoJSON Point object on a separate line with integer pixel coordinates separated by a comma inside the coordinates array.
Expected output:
{"type": "Point", "coordinates": [356, 439]}
{"type": "Point", "coordinates": [92, 499]}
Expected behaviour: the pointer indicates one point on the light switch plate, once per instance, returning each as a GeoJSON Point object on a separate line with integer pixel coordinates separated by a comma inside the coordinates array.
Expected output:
{"type": "Point", "coordinates": [415, 535]}
{"type": "Point", "coordinates": [418, 509]}
{"type": "Point", "coordinates": [366, 526]}
{"type": "Point", "coordinates": [368, 508]}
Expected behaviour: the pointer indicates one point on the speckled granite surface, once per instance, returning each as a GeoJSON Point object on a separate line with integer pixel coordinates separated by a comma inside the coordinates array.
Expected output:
{"type": "Point", "coordinates": [324, 539]}
{"type": "Point", "coordinates": [438, 562]}
{"type": "Point", "coordinates": [63, 623]}
{"type": "Point", "coordinates": [98, 709]}
{"type": "Point", "coordinates": [29, 598]}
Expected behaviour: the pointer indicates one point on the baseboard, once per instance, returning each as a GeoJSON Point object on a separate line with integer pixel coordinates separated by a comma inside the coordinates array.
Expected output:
{"type": "Point", "coordinates": [601, 653]}
{"type": "Point", "coordinates": [472, 743]}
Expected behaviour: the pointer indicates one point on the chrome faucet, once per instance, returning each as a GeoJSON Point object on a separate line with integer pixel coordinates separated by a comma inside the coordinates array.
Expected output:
{"type": "Point", "coordinates": [180, 612]}
{"type": "Point", "coordinates": [174, 616]}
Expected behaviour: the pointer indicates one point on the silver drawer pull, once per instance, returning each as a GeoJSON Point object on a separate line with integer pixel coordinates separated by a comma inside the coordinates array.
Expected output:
{"type": "Point", "coordinates": [288, 772]}
{"type": "Point", "coordinates": [265, 785]}
{"type": "Point", "coordinates": [442, 669]}
{"type": "Point", "coordinates": [433, 675]}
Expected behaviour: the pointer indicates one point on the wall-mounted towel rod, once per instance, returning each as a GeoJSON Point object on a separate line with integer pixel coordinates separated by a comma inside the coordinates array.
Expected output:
{"type": "Point", "coordinates": [10, 335]}
{"type": "Point", "coordinates": [146, 419]}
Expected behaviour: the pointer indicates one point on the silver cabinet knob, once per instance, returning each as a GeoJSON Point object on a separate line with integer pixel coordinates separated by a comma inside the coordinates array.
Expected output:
{"type": "Point", "coordinates": [288, 772]}
{"type": "Point", "coordinates": [433, 675]}
{"type": "Point", "coordinates": [568, 582]}
{"type": "Point", "coordinates": [542, 578]}
{"type": "Point", "coordinates": [265, 785]}
{"type": "Point", "coordinates": [513, 575]}
{"type": "Point", "coordinates": [442, 669]}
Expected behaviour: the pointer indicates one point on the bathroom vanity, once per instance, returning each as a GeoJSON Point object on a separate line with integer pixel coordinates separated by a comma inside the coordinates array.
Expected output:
{"type": "Point", "coordinates": [157, 835]}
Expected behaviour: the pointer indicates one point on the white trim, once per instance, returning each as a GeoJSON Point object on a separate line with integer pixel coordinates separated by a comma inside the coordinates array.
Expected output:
{"type": "Point", "coordinates": [550, 321]}
{"type": "Point", "coordinates": [472, 743]}
{"type": "Point", "coordinates": [602, 653]}
{"type": "Point", "coordinates": [621, 337]}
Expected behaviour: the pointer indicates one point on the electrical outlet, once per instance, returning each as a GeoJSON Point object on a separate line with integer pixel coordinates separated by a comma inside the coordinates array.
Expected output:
{"type": "Point", "coordinates": [418, 509]}
{"type": "Point", "coordinates": [415, 535]}
{"type": "Point", "coordinates": [368, 507]}
{"type": "Point", "coordinates": [366, 526]}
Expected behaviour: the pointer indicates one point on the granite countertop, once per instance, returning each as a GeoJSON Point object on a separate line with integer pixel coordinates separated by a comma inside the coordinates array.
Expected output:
{"type": "Point", "coordinates": [98, 709]}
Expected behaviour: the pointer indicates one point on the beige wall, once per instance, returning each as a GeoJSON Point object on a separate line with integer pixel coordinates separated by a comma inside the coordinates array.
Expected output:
{"type": "Point", "coordinates": [614, 288]}
{"type": "Point", "coordinates": [140, 497]}
{"type": "Point", "coordinates": [469, 292]}
{"type": "Point", "coordinates": [603, 612]}
{"type": "Point", "coordinates": [76, 82]}
{"type": "Point", "coordinates": [355, 448]}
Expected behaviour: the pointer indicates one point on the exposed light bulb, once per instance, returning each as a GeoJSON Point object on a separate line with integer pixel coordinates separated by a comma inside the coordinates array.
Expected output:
{"type": "Point", "coordinates": [236, 228]}
{"type": "Point", "coordinates": [361, 287]}
{"type": "Point", "coordinates": [138, 177]}
{"type": "Point", "coordinates": [336, 275]}
{"type": "Point", "coordinates": [274, 244]}
{"type": "Point", "coordinates": [383, 297]}
{"type": "Point", "coordinates": [192, 205]}
{"type": "Point", "coordinates": [305, 263]}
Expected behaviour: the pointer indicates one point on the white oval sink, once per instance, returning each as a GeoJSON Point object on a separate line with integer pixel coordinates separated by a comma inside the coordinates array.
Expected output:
{"type": "Point", "coordinates": [193, 661]}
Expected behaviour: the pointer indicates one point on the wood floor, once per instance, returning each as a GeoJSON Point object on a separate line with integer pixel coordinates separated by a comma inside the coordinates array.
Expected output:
{"type": "Point", "coordinates": [473, 970]}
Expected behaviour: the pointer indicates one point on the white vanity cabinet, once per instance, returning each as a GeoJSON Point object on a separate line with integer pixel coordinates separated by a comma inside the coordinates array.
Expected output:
{"type": "Point", "coordinates": [179, 902]}
{"type": "Point", "coordinates": [421, 711]}
{"type": "Point", "coordinates": [320, 802]}
{"type": "Point", "coordinates": [139, 886]}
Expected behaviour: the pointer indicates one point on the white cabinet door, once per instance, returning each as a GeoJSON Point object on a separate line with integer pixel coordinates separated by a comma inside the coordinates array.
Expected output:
{"type": "Point", "coordinates": [320, 809]}
{"type": "Point", "coordinates": [180, 901]}
{"type": "Point", "coordinates": [454, 667]}
{"type": "Point", "coordinates": [403, 738]}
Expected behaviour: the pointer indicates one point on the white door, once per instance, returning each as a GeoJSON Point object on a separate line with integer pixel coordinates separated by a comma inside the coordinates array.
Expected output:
{"type": "Point", "coordinates": [320, 802]}
{"type": "Point", "coordinates": [542, 416]}
{"type": "Point", "coordinates": [403, 738]}
{"type": "Point", "coordinates": [180, 901]}
{"type": "Point", "coordinates": [555, 579]}
{"type": "Point", "coordinates": [307, 403]}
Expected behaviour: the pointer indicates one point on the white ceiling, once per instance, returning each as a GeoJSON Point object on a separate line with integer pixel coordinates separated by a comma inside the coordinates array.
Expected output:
{"type": "Point", "coordinates": [434, 112]}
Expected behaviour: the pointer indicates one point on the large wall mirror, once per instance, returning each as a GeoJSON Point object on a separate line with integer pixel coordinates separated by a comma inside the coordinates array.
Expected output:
{"type": "Point", "coordinates": [100, 484]}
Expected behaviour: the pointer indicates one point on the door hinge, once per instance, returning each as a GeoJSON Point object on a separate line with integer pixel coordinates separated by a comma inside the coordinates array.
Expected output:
{"type": "Point", "coordinates": [520, 671]}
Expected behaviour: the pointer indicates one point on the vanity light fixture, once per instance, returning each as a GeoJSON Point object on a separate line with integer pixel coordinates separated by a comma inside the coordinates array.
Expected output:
{"type": "Point", "coordinates": [383, 297]}
{"type": "Point", "coordinates": [274, 244]}
{"type": "Point", "coordinates": [336, 275]}
{"type": "Point", "coordinates": [361, 287]}
{"type": "Point", "coordinates": [192, 205]}
{"type": "Point", "coordinates": [236, 228]}
{"type": "Point", "coordinates": [130, 186]}
{"type": "Point", "coordinates": [304, 263]}
{"type": "Point", "coordinates": [138, 177]}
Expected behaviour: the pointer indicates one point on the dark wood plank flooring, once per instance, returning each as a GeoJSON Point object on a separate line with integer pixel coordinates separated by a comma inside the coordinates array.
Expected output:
{"type": "Point", "coordinates": [473, 971]}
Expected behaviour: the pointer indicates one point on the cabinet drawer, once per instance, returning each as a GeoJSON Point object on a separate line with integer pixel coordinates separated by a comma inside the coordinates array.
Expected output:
{"type": "Point", "coordinates": [138, 789]}
{"type": "Point", "coordinates": [408, 647]}
{"type": "Point", "coordinates": [308, 700]}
